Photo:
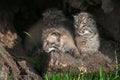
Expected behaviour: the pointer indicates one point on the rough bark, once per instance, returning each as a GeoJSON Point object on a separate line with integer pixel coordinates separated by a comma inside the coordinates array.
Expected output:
{"type": "Point", "coordinates": [13, 69]}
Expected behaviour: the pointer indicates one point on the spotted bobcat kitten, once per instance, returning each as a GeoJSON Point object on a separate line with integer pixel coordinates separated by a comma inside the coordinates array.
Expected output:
{"type": "Point", "coordinates": [87, 37]}
{"type": "Point", "coordinates": [57, 37]}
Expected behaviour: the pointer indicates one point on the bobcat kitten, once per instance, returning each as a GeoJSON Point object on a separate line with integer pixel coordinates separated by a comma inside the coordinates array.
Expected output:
{"type": "Point", "coordinates": [51, 34]}
{"type": "Point", "coordinates": [57, 36]}
{"type": "Point", "coordinates": [87, 37]}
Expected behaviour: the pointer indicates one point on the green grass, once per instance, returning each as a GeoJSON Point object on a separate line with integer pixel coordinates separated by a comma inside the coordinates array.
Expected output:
{"type": "Point", "coordinates": [101, 75]}
{"type": "Point", "coordinates": [82, 76]}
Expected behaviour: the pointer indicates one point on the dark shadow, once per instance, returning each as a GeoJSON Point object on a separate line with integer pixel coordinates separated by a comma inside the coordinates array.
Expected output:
{"type": "Point", "coordinates": [44, 62]}
{"type": "Point", "coordinates": [108, 39]}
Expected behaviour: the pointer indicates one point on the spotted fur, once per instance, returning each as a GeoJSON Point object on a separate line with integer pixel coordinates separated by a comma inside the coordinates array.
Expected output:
{"type": "Point", "coordinates": [87, 37]}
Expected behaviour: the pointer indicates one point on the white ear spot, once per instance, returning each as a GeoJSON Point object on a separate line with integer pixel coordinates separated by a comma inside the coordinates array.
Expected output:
{"type": "Point", "coordinates": [75, 16]}
{"type": "Point", "coordinates": [45, 14]}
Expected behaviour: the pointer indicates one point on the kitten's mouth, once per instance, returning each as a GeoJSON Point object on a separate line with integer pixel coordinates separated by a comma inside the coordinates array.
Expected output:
{"type": "Point", "coordinates": [50, 50]}
{"type": "Point", "coordinates": [85, 32]}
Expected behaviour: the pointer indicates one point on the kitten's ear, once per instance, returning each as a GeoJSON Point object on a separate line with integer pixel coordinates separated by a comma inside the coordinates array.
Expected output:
{"type": "Point", "coordinates": [45, 14]}
{"type": "Point", "coordinates": [74, 16]}
{"type": "Point", "coordinates": [75, 21]}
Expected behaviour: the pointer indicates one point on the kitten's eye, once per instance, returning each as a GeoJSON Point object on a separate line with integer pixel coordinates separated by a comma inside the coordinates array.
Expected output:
{"type": "Point", "coordinates": [83, 31]}
{"type": "Point", "coordinates": [52, 43]}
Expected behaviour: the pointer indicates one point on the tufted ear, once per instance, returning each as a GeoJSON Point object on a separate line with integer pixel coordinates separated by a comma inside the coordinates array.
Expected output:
{"type": "Point", "coordinates": [75, 21]}
{"type": "Point", "coordinates": [74, 17]}
{"type": "Point", "coordinates": [45, 14]}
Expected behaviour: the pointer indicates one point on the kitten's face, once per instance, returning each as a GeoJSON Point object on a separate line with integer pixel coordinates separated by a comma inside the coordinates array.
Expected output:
{"type": "Point", "coordinates": [51, 42]}
{"type": "Point", "coordinates": [85, 25]}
